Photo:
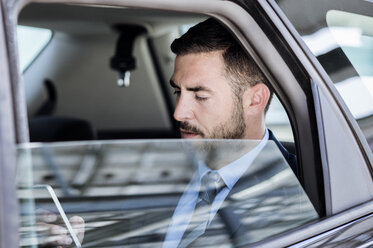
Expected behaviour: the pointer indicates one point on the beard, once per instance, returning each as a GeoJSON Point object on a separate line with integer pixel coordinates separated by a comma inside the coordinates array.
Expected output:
{"type": "Point", "coordinates": [215, 151]}
{"type": "Point", "coordinates": [232, 128]}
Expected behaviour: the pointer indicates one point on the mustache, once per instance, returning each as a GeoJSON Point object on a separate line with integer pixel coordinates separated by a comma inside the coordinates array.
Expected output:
{"type": "Point", "coordinates": [189, 128]}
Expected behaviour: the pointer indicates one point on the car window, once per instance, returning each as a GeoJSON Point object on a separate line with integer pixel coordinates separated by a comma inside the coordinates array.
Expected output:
{"type": "Point", "coordinates": [341, 38]}
{"type": "Point", "coordinates": [354, 36]}
{"type": "Point", "coordinates": [31, 42]}
{"type": "Point", "coordinates": [127, 191]}
{"type": "Point", "coordinates": [135, 192]}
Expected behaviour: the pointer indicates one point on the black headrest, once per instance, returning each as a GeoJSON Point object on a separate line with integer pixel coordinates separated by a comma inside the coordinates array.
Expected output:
{"type": "Point", "coordinates": [57, 128]}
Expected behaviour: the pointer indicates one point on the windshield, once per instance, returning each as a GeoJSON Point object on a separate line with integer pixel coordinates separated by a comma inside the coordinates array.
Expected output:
{"type": "Point", "coordinates": [143, 193]}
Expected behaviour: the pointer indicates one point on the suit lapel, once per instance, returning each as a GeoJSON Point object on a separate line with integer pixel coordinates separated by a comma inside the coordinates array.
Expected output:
{"type": "Point", "coordinates": [264, 166]}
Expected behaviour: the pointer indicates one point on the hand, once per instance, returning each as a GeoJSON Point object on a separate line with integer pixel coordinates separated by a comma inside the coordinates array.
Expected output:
{"type": "Point", "coordinates": [51, 234]}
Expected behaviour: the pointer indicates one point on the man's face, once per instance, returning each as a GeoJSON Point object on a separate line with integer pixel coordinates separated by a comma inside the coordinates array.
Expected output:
{"type": "Point", "coordinates": [206, 106]}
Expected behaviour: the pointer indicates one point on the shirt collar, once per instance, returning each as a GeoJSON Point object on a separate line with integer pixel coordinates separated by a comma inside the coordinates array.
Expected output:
{"type": "Point", "coordinates": [234, 170]}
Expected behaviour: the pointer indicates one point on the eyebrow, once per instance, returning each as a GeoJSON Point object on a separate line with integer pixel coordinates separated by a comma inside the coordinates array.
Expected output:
{"type": "Point", "coordinates": [194, 89]}
{"type": "Point", "coordinates": [173, 85]}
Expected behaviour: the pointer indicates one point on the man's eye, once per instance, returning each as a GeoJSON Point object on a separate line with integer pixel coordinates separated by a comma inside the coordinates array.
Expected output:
{"type": "Point", "coordinates": [200, 98]}
{"type": "Point", "coordinates": [177, 92]}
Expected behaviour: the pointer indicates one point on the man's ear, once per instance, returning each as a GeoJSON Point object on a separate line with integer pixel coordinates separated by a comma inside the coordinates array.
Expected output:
{"type": "Point", "coordinates": [255, 99]}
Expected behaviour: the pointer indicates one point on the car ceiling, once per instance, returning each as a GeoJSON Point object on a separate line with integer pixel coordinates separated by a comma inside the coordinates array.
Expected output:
{"type": "Point", "coordinates": [99, 19]}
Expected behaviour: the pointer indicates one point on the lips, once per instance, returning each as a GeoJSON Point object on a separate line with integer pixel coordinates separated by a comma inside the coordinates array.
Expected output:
{"type": "Point", "coordinates": [189, 131]}
{"type": "Point", "coordinates": [186, 134]}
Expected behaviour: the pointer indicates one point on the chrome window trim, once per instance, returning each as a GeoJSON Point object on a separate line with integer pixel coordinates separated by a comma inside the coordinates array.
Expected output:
{"type": "Point", "coordinates": [330, 233]}
{"type": "Point", "coordinates": [316, 231]}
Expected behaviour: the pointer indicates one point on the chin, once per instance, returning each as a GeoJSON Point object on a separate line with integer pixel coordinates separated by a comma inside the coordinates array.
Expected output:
{"type": "Point", "coordinates": [190, 136]}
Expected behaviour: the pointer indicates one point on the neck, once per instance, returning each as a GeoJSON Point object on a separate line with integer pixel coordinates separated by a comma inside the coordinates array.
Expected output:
{"type": "Point", "coordinates": [226, 152]}
{"type": "Point", "coordinates": [255, 132]}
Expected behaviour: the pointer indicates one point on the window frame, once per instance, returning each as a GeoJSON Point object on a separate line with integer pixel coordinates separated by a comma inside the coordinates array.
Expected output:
{"type": "Point", "coordinates": [8, 201]}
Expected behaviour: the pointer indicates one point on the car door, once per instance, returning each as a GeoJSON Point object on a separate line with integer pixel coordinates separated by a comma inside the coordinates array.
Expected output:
{"type": "Point", "coordinates": [8, 205]}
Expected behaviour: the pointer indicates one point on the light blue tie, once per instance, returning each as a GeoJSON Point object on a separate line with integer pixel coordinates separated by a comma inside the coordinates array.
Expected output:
{"type": "Point", "coordinates": [210, 186]}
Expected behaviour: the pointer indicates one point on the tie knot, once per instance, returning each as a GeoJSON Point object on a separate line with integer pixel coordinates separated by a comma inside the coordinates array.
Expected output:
{"type": "Point", "coordinates": [210, 179]}
{"type": "Point", "coordinates": [210, 185]}
{"type": "Point", "coordinates": [213, 175]}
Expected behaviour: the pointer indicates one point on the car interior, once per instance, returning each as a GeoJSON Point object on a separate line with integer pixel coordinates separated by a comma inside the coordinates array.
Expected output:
{"type": "Point", "coordinates": [73, 88]}
{"type": "Point", "coordinates": [99, 105]}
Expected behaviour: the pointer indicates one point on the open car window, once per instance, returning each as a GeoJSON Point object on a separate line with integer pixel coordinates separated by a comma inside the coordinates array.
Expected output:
{"type": "Point", "coordinates": [72, 90]}
{"type": "Point", "coordinates": [127, 191]}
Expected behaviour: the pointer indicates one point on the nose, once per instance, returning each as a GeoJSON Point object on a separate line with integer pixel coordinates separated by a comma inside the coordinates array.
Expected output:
{"type": "Point", "coordinates": [183, 110]}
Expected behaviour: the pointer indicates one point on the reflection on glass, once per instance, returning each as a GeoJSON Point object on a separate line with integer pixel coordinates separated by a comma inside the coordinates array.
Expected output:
{"type": "Point", "coordinates": [340, 35]}
{"type": "Point", "coordinates": [127, 192]}
{"type": "Point", "coordinates": [354, 34]}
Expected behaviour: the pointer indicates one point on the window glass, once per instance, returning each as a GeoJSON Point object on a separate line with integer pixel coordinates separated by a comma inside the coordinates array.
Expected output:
{"type": "Point", "coordinates": [341, 38]}
{"type": "Point", "coordinates": [127, 192]}
{"type": "Point", "coordinates": [31, 41]}
{"type": "Point", "coordinates": [353, 34]}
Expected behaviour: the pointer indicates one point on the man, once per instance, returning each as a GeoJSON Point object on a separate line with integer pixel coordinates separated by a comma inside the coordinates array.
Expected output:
{"type": "Point", "coordinates": [221, 94]}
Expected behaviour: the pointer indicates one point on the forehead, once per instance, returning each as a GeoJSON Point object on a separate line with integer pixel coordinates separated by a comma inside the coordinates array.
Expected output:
{"type": "Point", "coordinates": [199, 68]}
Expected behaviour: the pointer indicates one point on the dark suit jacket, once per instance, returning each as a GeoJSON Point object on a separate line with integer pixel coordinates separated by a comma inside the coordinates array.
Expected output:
{"type": "Point", "coordinates": [269, 164]}
{"type": "Point", "coordinates": [240, 214]}
{"type": "Point", "coordinates": [290, 158]}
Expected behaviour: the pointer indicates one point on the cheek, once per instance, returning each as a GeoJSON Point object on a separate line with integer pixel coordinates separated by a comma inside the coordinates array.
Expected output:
{"type": "Point", "coordinates": [211, 114]}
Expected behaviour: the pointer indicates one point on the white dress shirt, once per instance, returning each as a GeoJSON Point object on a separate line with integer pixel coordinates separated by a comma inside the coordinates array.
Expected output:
{"type": "Point", "coordinates": [230, 174]}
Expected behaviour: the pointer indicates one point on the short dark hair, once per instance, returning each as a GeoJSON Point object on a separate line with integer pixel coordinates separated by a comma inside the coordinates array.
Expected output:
{"type": "Point", "coordinates": [209, 36]}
